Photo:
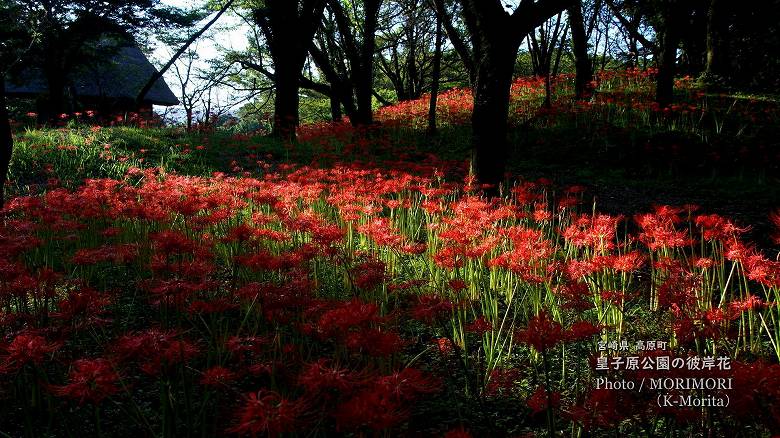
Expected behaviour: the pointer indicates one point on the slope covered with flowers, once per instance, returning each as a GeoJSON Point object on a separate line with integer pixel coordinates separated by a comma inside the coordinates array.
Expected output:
{"type": "Point", "coordinates": [362, 300]}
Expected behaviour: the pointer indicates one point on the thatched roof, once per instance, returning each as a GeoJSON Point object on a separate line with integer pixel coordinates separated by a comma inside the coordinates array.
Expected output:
{"type": "Point", "coordinates": [122, 77]}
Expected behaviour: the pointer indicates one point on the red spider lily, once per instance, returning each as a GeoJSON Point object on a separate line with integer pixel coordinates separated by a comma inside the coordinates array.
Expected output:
{"type": "Point", "coordinates": [614, 297]}
{"type": "Point", "coordinates": [658, 231]}
{"type": "Point", "coordinates": [542, 333]}
{"type": "Point", "coordinates": [348, 315]}
{"type": "Point", "coordinates": [294, 294]}
{"type": "Point", "coordinates": [679, 290]}
{"type": "Point", "coordinates": [117, 254]}
{"type": "Point", "coordinates": [155, 350]}
{"type": "Point", "coordinates": [527, 193]}
{"type": "Point", "coordinates": [17, 282]}
{"type": "Point", "coordinates": [245, 233]}
{"type": "Point", "coordinates": [502, 381]}
{"type": "Point", "coordinates": [86, 305]}
{"type": "Point", "coordinates": [217, 305]}
{"type": "Point", "coordinates": [322, 376]}
{"type": "Point", "coordinates": [529, 245]}
{"type": "Point", "coordinates": [374, 342]}
{"type": "Point", "coordinates": [479, 326]}
{"type": "Point", "coordinates": [382, 233]}
{"type": "Point", "coordinates": [737, 251]}
{"type": "Point", "coordinates": [26, 348]}
{"type": "Point", "coordinates": [249, 346]}
{"type": "Point", "coordinates": [368, 275]}
{"type": "Point", "coordinates": [450, 257]}
{"type": "Point", "coordinates": [371, 408]}
{"type": "Point", "coordinates": [457, 285]}
{"type": "Point", "coordinates": [574, 295]}
{"type": "Point", "coordinates": [326, 234]}
{"type": "Point", "coordinates": [715, 227]}
{"type": "Point", "coordinates": [760, 393]}
{"type": "Point", "coordinates": [577, 269]}
{"type": "Point", "coordinates": [581, 330]}
{"type": "Point", "coordinates": [196, 269]}
{"type": "Point", "coordinates": [600, 408]}
{"type": "Point", "coordinates": [597, 232]}
{"type": "Point", "coordinates": [703, 262]}
{"type": "Point", "coordinates": [406, 285]}
{"type": "Point", "coordinates": [266, 261]}
{"type": "Point", "coordinates": [267, 413]}
{"type": "Point", "coordinates": [774, 217]}
{"type": "Point", "coordinates": [431, 309]}
{"type": "Point", "coordinates": [749, 303]}
{"type": "Point", "coordinates": [539, 402]}
{"type": "Point", "coordinates": [409, 383]}
{"type": "Point", "coordinates": [628, 262]}
{"type": "Point", "coordinates": [669, 266]}
{"type": "Point", "coordinates": [459, 432]}
{"type": "Point", "coordinates": [175, 352]}
{"type": "Point", "coordinates": [218, 376]}
{"type": "Point", "coordinates": [174, 292]}
{"type": "Point", "coordinates": [672, 213]}
{"type": "Point", "coordinates": [414, 248]}
{"type": "Point", "coordinates": [91, 380]}
{"type": "Point", "coordinates": [541, 214]}
{"type": "Point", "coordinates": [762, 270]}
{"type": "Point", "coordinates": [173, 242]}
{"type": "Point", "coordinates": [444, 346]}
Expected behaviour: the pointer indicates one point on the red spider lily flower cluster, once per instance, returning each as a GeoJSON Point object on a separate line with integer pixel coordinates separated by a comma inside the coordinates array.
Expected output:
{"type": "Point", "coordinates": [544, 333]}
{"type": "Point", "coordinates": [91, 380]}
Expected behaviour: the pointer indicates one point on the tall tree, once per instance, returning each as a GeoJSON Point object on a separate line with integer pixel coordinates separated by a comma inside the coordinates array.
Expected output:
{"type": "Point", "coordinates": [344, 52]}
{"type": "Point", "coordinates": [288, 27]}
{"type": "Point", "coordinates": [717, 48]}
{"type": "Point", "coordinates": [364, 75]}
{"type": "Point", "coordinates": [496, 35]}
{"type": "Point", "coordinates": [579, 42]}
{"type": "Point", "coordinates": [669, 18]}
{"type": "Point", "coordinates": [444, 10]}
{"type": "Point", "coordinates": [542, 45]}
{"type": "Point", "coordinates": [406, 46]}
{"type": "Point", "coordinates": [436, 77]}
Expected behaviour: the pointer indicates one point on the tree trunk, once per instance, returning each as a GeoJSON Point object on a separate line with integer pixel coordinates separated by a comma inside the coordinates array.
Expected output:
{"type": "Point", "coordinates": [559, 53]}
{"type": "Point", "coordinates": [496, 36]}
{"type": "Point", "coordinates": [717, 56]}
{"type": "Point", "coordinates": [667, 57]}
{"type": "Point", "coordinates": [286, 99]}
{"type": "Point", "coordinates": [335, 108]}
{"type": "Point", "coordinates": [411, 59]}
{"type": "Point", "coordinates": [455, 39]}
{"type": "Point", "coordinates": [364, 75]}
{"type": "Point", "coordinates": [289, 31]}
{"type": "Point", "coordinates": [188, 115]}
{"type": "Point", "coordinates": [435, 77]}
{"type": "Point", "coordinates": [490, 118]}
{"type": "Point", "coordinates": [579, 42]}
{"type": "Point", "coordinates": [6, 142]}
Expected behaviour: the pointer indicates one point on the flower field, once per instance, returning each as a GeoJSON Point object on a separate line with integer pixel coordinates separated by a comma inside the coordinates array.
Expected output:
{"type": "Point", "coordinates": [371, 290]}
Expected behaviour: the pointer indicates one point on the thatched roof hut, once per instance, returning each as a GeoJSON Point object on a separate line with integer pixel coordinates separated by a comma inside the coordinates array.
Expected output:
{"type": "Point", "coordinates": [111, 85]}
